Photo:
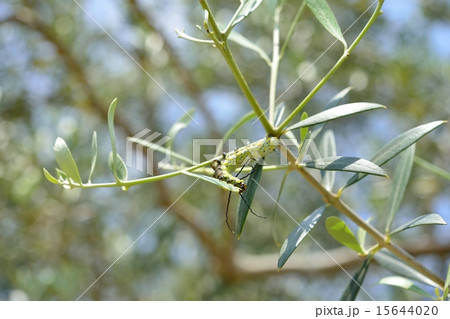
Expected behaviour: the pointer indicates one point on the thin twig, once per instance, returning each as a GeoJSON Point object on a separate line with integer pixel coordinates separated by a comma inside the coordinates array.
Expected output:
{"type": "Point", "coordinates": [335, 201]}
{"type": "Point", "coordinates": [274, 66]}
{"type": "Point", "coordinates": [222, 45]}
{"type": "Point", "coordinates": [333, 70]}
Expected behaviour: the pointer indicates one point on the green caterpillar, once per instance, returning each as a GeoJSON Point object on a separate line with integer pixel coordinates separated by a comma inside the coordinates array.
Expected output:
{"type": "Point", "coordinates": [259, 149]}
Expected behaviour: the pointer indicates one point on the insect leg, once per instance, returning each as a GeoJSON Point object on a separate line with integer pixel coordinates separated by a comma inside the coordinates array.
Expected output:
{"type": "Point", "coordinates": [242, 197]}
{"type": "Point", "coordinates": [228, 205]}
{"type": "Point", "coordinates": [240, 171]}
{"type": "Point", "coordinates": [253, 168]}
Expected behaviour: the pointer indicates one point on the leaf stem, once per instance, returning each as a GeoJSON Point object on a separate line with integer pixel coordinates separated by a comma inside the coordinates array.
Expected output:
{"type": "Point", "coordinates": [292, 28]}
{"type": "Point", "coordinates": [198, 168]}
{"type": "Point", "coordinates": [246, 169]}
{"type": "Point", "coordinates": [140, 181]}
{"type": "Point", "coordinates": [335, 201]}
{"type": "Point", "coordinates": [221, 44]}
{"type": "Point", "coordinates": [229, 27]}
{"type": "Point", "coordinates": [325, 79]}
{"type": "Point", "coordinates": [431, 167]}
{"type": "Point", "coordinates": [246, 89]}
{"type": "Point", "coordinates": [183, 35]}
{"type": "Point", "coordinates": [217, 34]}
{"type": "Point", "coordinates": [275, 63]}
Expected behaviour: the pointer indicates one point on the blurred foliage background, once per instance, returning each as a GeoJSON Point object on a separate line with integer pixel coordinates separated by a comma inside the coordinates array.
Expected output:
{"type": "Point", "coordinates": [60, 70]}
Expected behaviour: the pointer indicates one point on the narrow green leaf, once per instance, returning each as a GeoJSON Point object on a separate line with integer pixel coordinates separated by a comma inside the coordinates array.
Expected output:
{"type": "Point", "coordinates": [404, 283]}
{"type": "Point", "coordinates": [432, 168]}
{"type": "Point", "coordinates": [305, 139]}
{"type": "Point", "coordinates": [246, 43]}
{"type": "Point", "coordinates": [272, 5]}
{"type": "Point", "coordinates": [120, 169]}
{"type": "Point", "coordinates": [183, 35]}
{"type": "Point", "coordinates": [247, 117]}
{"type": "Point", "coordinates": [323, 13]}
{"type": "Point", "coordinates": [247, 197]}
{"type": "Point", "coordinates": [317, 130]}
{"type": "Point", "coordinates": [362, 234]}
{"type": "Point", "coordinates": [437, 293]}
{"type": "Point", "coordinates": [401, 178]}
{"type": "Point", "coordinates": [447, 282]}
{"type": "Point", "coordinates": [397, 145]}
{"type": "Point", "coordinates": [345, 164]}
{"type": "Point", "coordinates": [246, 7]}
{"type": "Point", "coordinates": [275, 209]}
{"type": "Point", "coordinates": [65, 160]}
{"type": "Point", "coordinates": [336, 99]}
{"type": "Point", "coordinates": [94, 148]}
{"type": "Point", "coordinates": [428, 219]}
{"type": "Point", "coordinates": [182, 123]}
{"type": "Point", "coordinates": [447, 278]}
{"type": "Point", "coordinates": [304, 146]}
{"type": "Point", "coordinates": [337, 228]}
{"type": "Point", "coordinates": [293, 25]}
{"type": "Point", "coordinates": [303, 130]}
{"type": "Point", "coordinates": [291, 138]}
{"type": "Point", "coordinates": [335, 113]}
{"type": "Point", "coordinates": [212, 180]}
{"type": "Point", "coordinates": [298, 234]}
{"type": "Point", "coordinates": [328, 150]}
{"type": "Point", "coordinates": [279, 112]}
{"type": "Point", "coordinates": [161, 149]}
{"type": "Point", "coordinates": [112, 135]}
{"type": "Point", "coordinates": [389, 261]}
{"type": "Point", "coordinates": [351, 292]}
{"type": "Point", "coordinates": [62, 176]}
{"type": "Point", "coordinates": [50, 177]}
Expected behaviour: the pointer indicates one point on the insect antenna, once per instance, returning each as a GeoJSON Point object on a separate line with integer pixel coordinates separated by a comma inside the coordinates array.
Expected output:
{"type": "Point", "coordinates": [226, 213]}
{"type": "Point", "coordinates": [251, 210]}
{"type": "Point", "coordinates": [242, 197]}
